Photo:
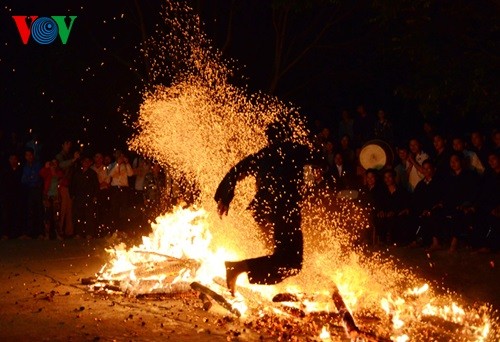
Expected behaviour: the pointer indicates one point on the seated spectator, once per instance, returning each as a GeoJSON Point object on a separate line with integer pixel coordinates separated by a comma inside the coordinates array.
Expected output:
{"type": "Point", "coordinates": [441, 157]}
{"type": "Point", "coordinates": [51, 175]}
{"type": "Point", "coordinates": [417, 157]}
{"type": "Point", "coordinates": [458, 196]}
{"type": "Point", "coordinates": [370, 198]}
{"type": "Point", "coordinates": [329, 154]}
{"type": "Point", "coordinates": [425, 204]}
{"type": "Point", "coordinates": [392, 220]}
{"type": "Point", "coordinates": [488, 207]}
{"type": "Point", "coordinates": [339, 173]}
{"type": "Point", "coordinates": [11, 198]}
{"type": "Point", "coordinates": [84, 188]}
{"type": "Point", "coordinates": [471, 159]}
{"type": "Point", "coordinates": [479, 147]}
{"type": "Point", "coordinates": [348, 152]}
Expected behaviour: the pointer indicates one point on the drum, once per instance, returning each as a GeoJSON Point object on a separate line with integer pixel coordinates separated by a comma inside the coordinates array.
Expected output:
{"type": "Point", "coordinates": [376, 154]}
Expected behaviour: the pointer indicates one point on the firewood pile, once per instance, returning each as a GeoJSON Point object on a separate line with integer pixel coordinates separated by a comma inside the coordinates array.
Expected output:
{"type": "Point", "coordinates": [284, 318]}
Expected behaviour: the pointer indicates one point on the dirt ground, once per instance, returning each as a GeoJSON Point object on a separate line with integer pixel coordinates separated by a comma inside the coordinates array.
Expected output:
{"type": "Point", "coordinates": [42, 298]}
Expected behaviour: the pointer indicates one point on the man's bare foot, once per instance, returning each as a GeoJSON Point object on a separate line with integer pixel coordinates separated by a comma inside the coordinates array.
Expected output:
{"type": "Point", "coordinates": [232, 274]}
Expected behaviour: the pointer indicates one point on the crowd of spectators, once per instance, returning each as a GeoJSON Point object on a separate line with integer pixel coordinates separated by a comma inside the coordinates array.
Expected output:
{"type": "Point", "coordinates": [440, 190]}
{"type": "Point", "coordinates": [75, 195]}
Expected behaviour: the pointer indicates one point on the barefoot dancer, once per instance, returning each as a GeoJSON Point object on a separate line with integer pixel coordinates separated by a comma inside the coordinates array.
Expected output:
{"type": "Point", "coordinates": [278, 169]}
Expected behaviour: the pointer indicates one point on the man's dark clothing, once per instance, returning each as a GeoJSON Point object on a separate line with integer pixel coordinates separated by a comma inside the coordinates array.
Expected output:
{"type": "Point", "coordinates": [278, 170]}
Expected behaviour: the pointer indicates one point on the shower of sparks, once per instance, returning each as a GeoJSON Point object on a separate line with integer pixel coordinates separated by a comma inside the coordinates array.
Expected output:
{"type": "Point", "coordinates": [199, 126]}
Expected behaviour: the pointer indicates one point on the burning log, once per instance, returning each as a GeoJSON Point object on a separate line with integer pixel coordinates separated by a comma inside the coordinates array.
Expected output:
{"type": "Point", "coordinates": [207, 303]}
{"type": "Point", "coordinates": [89, 281]}
{"type": "Point", "coordinates": [215, 296]}
{"type": "Point", "coordinates": [285, 297]}
{"type": "Point", "coordinates": [353, 332]}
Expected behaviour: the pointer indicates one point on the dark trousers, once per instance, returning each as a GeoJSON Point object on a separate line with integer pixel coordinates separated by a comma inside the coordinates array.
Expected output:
{"type": "Point", "coordinates": [33, 212]}
{"type": "Point", "coordinates": [286, 259]}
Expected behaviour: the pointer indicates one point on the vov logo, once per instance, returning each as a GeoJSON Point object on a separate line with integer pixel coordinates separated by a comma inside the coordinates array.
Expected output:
{"type": "Point", "coordinates": [44, 30]}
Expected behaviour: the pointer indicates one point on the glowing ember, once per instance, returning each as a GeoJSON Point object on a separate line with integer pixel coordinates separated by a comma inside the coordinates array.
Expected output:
{"type": "Point", "coordinates": [200, 126]}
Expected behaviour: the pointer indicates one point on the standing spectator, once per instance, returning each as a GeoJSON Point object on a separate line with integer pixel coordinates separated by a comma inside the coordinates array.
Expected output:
{"type": "Point", "coordinates": [84, 189]}
{"type": "Point", "coordinates": [141, 167]}
{"type": "Point", "coordinates": [472, 161]}
{"type": "Point", "coordinates": [441, 157]}
{"type": "Point", "coordinates": [120, 189]}
{"type": "Point", "coordinates": [479, 147]}
{"type": "Point", "coordinates": [52, 176]}
{"type": "Point", "coordinates": [11, 198]}
{"type": "Point", "coordinates": [329, 154]}
{"type": "Point", "coordinates": [103, 195]}
{"type": "Point", "coordinates": [346, 125]}
{"type": "Point", "coordinates": [363, 126]}
{"type": "Point", "coordinates": [417, 157]}
{"type": "Point", "coordinates": [32, 191]}
{"type": "Point", "coordinates": [35, 144]}
{"type": "Point", "coordinates": [67, 164]}
{"type": "Point", "coordinates": [383, 127]}
{"type": "Point", "coordinates": [154, 188]}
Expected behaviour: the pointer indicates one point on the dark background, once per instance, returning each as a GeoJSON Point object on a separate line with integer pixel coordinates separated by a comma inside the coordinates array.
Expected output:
{"type": "Point", "coordinates": [418, 60]}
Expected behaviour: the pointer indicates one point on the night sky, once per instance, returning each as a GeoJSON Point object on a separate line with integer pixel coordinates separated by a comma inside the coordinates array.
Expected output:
{"type": "Point", "coordinates": [84, 89]}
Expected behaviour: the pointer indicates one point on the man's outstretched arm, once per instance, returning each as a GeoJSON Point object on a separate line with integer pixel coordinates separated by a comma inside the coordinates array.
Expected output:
{"type": "Point", "coordinates": [225, 191]}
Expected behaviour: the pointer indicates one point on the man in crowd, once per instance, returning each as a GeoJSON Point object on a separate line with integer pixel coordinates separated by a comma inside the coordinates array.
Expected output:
{"type": "Point", "coordinates": [84, 189]}
{"type": "Point", "coordinates": [32, 191]}
{"type": "Point", "coordinates": [11, 198]}
{"type": "Point", "coordinates": [67, 163]}
{"type": "Point", "coordinates": [417, 157]}
{"type": "Point", "coordinates": [119, 174]}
